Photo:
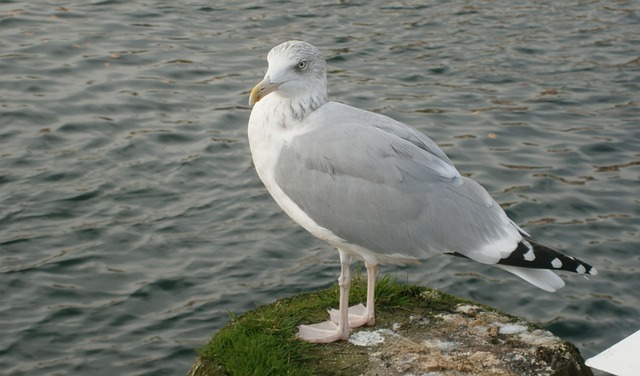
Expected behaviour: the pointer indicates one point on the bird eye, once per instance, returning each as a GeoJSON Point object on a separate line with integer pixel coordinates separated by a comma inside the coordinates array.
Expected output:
{"type": "Point", "coordinates": [302, 64]}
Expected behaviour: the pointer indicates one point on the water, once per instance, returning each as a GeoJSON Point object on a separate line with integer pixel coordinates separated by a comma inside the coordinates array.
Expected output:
{"type": "Point", "coordinates": [132, 221]}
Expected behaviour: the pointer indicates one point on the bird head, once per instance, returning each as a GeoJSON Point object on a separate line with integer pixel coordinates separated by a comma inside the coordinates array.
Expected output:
{"type": "Point", "coordinates": [296, 70]}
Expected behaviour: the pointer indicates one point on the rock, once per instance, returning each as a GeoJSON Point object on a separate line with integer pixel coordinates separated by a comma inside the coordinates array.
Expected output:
{"type": "Point", "coordinates": [418, 332]}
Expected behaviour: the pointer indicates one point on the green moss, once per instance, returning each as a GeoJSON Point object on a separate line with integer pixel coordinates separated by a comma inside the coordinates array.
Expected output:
{"type": "Point", "coordinates": [263, 341]}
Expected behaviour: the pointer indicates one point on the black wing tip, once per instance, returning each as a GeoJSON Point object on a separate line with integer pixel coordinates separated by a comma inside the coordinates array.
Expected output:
{"type": "Point", "coordinates": [591, 270]}
{"type": "Point", "coordinates": [531, 254]}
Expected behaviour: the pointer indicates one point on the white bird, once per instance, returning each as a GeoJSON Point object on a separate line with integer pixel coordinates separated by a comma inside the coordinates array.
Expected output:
{"type": "Point", "coordinates": [375, 188]}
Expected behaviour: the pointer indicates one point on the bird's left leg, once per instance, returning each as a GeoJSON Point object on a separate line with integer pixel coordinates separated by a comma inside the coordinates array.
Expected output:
{"type": "Point", "coordinates": [359, 315]}
{"type": "Point", "coordinates": [338, 329]}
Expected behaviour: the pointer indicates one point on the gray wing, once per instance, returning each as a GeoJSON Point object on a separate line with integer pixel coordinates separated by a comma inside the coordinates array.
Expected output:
{"type": "Point", "coordinates": [385, 186]}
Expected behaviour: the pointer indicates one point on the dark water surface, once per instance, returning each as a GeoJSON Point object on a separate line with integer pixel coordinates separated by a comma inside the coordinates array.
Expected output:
{"type": "Point", "coordinates": [132, 221]}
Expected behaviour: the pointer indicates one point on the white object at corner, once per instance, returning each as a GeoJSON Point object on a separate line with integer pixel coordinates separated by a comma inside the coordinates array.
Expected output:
{"type": "Point", "coordinates": [621, 359]}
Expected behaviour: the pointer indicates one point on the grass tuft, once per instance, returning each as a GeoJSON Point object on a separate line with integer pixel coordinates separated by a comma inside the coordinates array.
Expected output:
{"type": "Point", "coordinates": [261, 342]}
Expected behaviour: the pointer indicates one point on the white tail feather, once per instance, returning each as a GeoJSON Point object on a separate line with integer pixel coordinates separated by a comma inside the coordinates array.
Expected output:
{"type": "Point", "coordinates": [542, 278]}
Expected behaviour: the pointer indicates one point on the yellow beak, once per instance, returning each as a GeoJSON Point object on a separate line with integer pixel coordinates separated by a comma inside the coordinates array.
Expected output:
{"type": "Point", "coordinates": [261, 90]}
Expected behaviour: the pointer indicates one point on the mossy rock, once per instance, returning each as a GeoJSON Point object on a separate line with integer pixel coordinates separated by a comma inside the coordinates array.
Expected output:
{"type": "Point", "coordinates": [418, 330]}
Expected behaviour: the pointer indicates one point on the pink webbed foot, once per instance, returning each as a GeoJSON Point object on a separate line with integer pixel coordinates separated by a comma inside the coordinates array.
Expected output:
{"type": "Point", "coordinates": [359, 316]}
{"type": "Point", "coordinates": [324, 332]}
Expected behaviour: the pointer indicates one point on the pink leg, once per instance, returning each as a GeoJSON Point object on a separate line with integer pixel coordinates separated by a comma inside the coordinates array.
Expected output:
{"type": "Point", "coordinates": [372, 274]}
{"type": "Point", "coordinates": [360, 315]}
{"type": "Point", "coordinates": [328, 331]}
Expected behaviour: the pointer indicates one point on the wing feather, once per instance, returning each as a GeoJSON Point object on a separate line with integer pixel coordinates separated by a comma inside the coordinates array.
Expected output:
{"type": "Point", "coordinates": [385, 186]}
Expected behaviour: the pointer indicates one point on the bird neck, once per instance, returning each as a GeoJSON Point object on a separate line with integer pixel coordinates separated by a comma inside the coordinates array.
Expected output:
{"type": "Point", "coordinates": [299, 107]}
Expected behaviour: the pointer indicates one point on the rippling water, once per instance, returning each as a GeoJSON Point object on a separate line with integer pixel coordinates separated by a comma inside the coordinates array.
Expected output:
{"type": "Point", "coordinates": [132, 221]}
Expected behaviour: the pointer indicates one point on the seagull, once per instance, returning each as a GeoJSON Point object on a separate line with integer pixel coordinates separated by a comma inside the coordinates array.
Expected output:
{"type": "Point", "coordinates": [375, 189]}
